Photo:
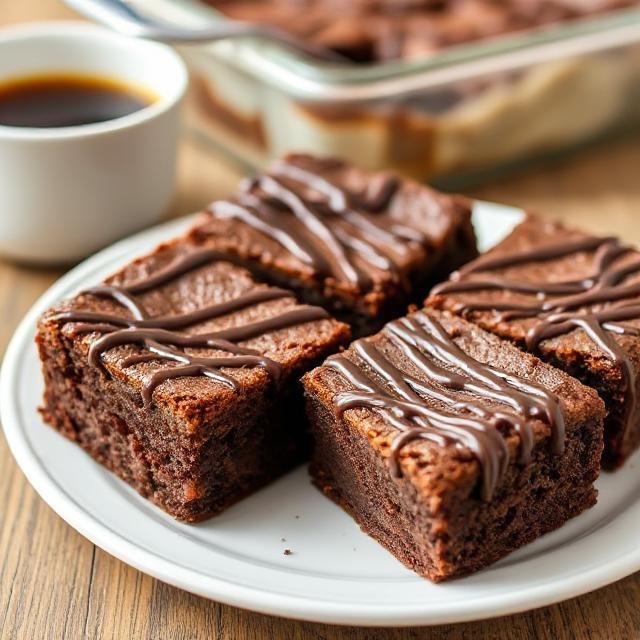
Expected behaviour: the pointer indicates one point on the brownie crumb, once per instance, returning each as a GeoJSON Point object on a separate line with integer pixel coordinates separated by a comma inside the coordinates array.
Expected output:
{"type": "Point", "coordinates": [288, 552]}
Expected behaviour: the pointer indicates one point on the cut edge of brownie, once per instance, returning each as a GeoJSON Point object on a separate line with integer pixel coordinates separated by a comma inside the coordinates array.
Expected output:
{"type": "Point", "coordinates": [192, 477]}
{"type": "Point", "coordinates": [439, 526]}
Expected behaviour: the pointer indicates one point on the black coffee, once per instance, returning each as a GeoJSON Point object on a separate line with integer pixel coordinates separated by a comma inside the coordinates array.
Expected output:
{"type": "Point", "coordinates": [67, 100]}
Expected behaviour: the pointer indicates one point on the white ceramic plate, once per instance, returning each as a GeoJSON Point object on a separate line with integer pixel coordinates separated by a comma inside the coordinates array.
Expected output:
{"type": "Point", "coordinates": [335, 573]}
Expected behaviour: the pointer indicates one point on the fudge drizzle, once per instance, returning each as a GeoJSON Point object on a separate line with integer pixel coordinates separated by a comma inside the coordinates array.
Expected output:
{"type": "Point", "coordinates": [598, 304]}
{"type": "Point", "coordinates": [447, 370]}
{"type": "Point", "coordinates": [159, 335]}
{"type": "Point", "coordinates": [331, 229]}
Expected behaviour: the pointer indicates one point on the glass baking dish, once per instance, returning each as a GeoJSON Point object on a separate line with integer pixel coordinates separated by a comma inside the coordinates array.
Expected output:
{"type": "Point", "coordinates": [459, 113]}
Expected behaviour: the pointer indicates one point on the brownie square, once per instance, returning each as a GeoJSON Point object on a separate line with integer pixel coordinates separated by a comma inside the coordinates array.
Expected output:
{"type": "Point", "coordinates": [362, 245]}
{"type": "Point", "coordinates": [181, 375]}
{"type": "Point", "coordinates": [450, 446]}
{"type": "Point", "coordinates": [571, 298]}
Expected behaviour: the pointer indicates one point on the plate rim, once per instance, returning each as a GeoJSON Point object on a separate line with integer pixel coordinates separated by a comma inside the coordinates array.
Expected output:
{"type": "Point", "coordinates": [219, 589]}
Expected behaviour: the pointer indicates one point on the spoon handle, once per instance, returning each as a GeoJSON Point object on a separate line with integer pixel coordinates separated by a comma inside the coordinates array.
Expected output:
{"type": "Point", "coordinates": [123, 18]}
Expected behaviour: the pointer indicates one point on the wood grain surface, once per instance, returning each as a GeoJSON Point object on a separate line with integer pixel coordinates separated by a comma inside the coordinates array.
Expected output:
{"type": "Point", "coordinates": [55, 584]}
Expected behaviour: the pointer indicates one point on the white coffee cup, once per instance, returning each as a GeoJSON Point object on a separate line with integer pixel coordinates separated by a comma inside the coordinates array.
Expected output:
{"type": "Point", "coordinates": [65, 192]}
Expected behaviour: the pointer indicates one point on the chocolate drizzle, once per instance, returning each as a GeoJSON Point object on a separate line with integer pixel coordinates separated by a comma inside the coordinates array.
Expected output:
{"type": "Point", "coordinates": [597, 304]}
{"type": "Point", "coordinates": [159, 336]}
{"type": "Point", "coordinates": [498, 400]}
{"type": "Point", "coordinates": [330, 224]}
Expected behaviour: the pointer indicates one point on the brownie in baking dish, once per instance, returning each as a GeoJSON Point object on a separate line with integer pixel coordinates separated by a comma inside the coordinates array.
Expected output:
{"type": "Point", "coordinates": [450, 446]}
{"type": "Point", "coordinates": [373, 30]}
{"type": "Point", "coordinates": [572, 298]}
{"type": "Point", "coordinates": [363, 245]}
{"type": "Point", "coordinates": [181, 375]}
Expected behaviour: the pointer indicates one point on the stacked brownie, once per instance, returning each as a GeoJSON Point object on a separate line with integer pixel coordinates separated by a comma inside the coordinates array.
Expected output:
{"type": "Point", "coordinates": [445, 441]}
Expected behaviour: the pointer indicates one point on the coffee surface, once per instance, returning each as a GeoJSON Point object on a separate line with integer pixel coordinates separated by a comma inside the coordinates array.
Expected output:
{"type": "Point", "coordinates": [67, 100]}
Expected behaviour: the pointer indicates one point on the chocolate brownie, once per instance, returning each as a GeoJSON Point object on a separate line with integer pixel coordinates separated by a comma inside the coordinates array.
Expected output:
{"type": "Point", "coordinates": [572, 298]}
{"type": "Point", "coordinates": [362, 245]}
{"type": "Point", "coordinates": [181, 374]}
{"type": "Point", "coordinates": [450, 446]}
{"type": "Point", "coordinates": [370, 30]}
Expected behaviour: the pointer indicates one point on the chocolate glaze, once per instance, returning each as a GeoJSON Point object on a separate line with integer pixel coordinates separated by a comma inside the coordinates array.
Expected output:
{"type": "Point", "coordinates": [159, 337]}
{"type": "Point", "coordinates": [596, 304]}
{"type": "Point", "coordinates": [334, 224]}
{"type": "Point", "coordinates": [447, 371]}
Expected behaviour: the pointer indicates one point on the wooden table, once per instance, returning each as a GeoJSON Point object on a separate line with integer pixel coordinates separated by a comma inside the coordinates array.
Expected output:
{"type": "Point", "coordinates": [56, 584]}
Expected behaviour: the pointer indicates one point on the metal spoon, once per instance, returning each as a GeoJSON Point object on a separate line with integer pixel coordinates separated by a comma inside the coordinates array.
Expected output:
{"type": "Point", "coordinates": [122, 17]}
